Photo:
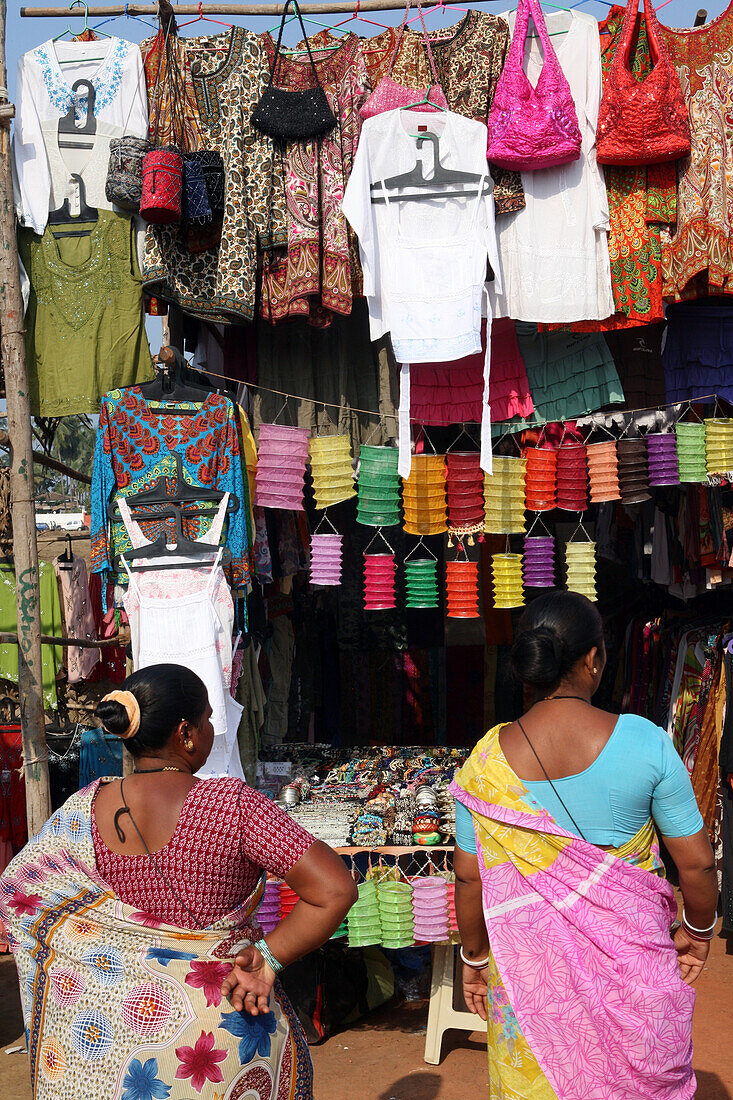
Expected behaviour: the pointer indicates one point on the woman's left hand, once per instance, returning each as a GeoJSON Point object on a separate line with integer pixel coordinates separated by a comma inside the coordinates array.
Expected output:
{"type": "Point", "coordinates": [475, 989]}
{"type": "Point", "coordinates": [249, 984]}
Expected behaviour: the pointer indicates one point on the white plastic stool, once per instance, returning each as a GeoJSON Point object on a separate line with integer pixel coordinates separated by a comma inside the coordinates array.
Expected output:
{"type": "Point", "coordinates": [442, 1016]}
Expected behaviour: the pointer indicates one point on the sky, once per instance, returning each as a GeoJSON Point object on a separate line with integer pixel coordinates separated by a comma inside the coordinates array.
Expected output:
{"type": "Point", "coordinates": [24, 34]}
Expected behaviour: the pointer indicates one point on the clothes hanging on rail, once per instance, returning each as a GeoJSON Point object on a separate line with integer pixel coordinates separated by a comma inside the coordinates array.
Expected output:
{"type": "Point", "coordinates": [697, 258]}
{"type": "Point", "coordinates": [469, 57]}
{"type": "Point", "coordinates": [51, 624]}
{"type": "Point", "coordinates": [41, 169]}
{"type": "Point", "coordinates": [315, 277]}
{"type": "Point", "coordinates": [227, 74]}
{"type": "Point", "coordinates": [84, 324]}
{"type": "Point", "coordinates": [138, 443]}
{"type": "Point", "coordinates": [78, 616]}
{"type": "Point", "coordinates": [554, 253]}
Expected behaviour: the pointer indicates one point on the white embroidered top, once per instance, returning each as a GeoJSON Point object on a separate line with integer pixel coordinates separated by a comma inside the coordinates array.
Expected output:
{"type": "Point", "coordinates": [41, 170]}
{"type": "Point", "coordinates": [424, 262]}
{"type": "Point", "coordinates": [554, 252]}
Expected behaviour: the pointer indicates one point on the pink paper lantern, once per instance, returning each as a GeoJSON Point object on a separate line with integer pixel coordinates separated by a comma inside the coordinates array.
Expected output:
{"type": "Point", "coordinates": [326, 559]}
{"type": "Point", "coordinates": [281, 460]}
{"type": "Point", "coordinates": [379, 581]}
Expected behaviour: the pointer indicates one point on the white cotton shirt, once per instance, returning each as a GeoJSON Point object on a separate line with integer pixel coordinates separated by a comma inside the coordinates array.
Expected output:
{"type": "Point", "coordinates": [42, 171]}
{"type": "Point", "coordinates": [554, 252]}
{"type": "Point", "coordinates": [424, 262]}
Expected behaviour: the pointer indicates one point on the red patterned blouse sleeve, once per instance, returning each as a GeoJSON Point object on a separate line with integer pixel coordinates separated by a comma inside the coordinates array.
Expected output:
{"type": "Point", "coordinates": [270, 838]}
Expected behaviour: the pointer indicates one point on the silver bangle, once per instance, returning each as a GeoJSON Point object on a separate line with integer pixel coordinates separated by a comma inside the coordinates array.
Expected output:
{"type": "Point", "coordinates": [268, 956]}
{"type": "Point", "coordinates": [700, 931]}
{"type": "Point", "coordinates": [475, 964]}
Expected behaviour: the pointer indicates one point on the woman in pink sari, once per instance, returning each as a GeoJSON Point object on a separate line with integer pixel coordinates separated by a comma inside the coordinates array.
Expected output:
{"type": "Point", "coordinates": [565, 915]}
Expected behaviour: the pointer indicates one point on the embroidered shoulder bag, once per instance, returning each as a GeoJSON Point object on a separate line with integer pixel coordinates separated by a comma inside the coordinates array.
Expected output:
{"type": "Point", "coordinates": [293, 116]}
{"type": "Point", "coordinates": [388, 94]}
{"type": "Point", "coordinates": [530, 127]}
{"type": "Point", "coordinates": [642, 121]}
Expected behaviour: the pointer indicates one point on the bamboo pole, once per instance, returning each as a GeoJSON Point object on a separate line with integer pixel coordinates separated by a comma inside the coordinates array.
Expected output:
{"type": "Point", "coordinates": [273, 10]}
{"type": "Point", "coordinates": [25, 547]}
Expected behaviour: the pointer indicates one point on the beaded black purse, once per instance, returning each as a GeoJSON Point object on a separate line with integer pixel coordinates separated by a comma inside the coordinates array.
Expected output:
{"type": "Point", "coordinates": [293, 116]}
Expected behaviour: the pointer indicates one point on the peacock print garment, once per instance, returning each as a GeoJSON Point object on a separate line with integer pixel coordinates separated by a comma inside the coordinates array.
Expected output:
{"type": "Point", "coordinates": [585, 997]}
{"type": "Point", "coordinates": [119, 1006]}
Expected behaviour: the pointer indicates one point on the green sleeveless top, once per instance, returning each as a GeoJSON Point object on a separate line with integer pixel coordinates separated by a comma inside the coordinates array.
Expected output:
{"type": "Point", "coordinates": [85, 330]}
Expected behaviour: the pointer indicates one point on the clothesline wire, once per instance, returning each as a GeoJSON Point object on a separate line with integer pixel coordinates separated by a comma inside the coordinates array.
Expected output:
{"type": "Point", "coordinates": [519, 428]}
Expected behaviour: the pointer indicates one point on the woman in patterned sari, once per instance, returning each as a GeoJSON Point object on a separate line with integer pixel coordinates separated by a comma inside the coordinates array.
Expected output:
{"type": "Point", "coordinates": [132, 915]}
{"type": "Point", "coordinates": [564, 911]}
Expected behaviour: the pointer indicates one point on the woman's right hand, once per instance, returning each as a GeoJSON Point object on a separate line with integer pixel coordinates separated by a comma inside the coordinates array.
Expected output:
{"type": "Point", "coordinates": [475, 989]}
{"type": "Point", "coordinates": [691, 955]}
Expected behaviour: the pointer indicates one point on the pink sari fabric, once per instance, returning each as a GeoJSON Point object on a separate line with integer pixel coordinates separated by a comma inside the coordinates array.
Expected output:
{"type": "Point", "coordinates": [581, 939]}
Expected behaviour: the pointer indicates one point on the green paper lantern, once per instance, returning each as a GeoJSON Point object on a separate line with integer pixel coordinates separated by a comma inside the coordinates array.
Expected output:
{"type": "Point", "coordinates": [421, 583]}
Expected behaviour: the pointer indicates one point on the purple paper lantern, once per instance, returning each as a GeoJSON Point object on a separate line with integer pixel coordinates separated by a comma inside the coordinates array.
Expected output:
{"type": "Point", "coordinates": [268, 913]}
{"type": "Point", "coordinates": [539, 561]}
{"type": "Point", "coordinates": [662, 455]}
{"type": "Point", "coordinates": [326, 558]}
{"type": "Point", "coordinates": [281, 458]}
{"type": "Point", "coordinates": [430, 909]}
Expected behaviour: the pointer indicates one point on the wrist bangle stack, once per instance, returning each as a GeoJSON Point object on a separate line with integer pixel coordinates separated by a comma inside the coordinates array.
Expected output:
{"type": "Point", "coordinates": [702, 934]}
{"type": "Point", "coordinates": [475, 964]}
{"type": "Point", "coordinates": [268, 956]}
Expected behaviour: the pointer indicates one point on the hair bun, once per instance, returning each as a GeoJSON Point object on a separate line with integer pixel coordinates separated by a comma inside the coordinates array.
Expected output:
{"type": "Point", "coordinates": [538, 656]}
{"type": "Point", "coordinates": [119, 713]}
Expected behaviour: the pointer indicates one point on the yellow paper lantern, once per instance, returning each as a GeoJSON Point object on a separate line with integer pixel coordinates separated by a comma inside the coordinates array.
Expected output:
{"type": "Point", "coordinates": [719, 445]}
{"type": "Point", "coordinates": [580, 561]}
{"type": "Point", "coordinates": [506, 570]}
{"type": "Point", "coordinates": [504, 492]}
{"type": "Point", "coordinates": [331, 469]}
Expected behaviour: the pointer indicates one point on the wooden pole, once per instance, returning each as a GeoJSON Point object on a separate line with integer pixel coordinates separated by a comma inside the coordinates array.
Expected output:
{"type": "Point", "coordinates": [25, 547]}
{"type": "Point", "coordinates": [273, 10]}
{"type": "Point", "coordinates": [51, 463]}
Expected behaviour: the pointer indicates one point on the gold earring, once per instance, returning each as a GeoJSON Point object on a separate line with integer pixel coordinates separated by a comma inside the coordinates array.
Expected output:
{"type": "Point", "coordinates": [595, 671]}
{"type": "Point", "coordinates": [188, 745]}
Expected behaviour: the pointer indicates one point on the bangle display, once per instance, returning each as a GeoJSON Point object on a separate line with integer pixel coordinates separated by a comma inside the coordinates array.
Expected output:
{"type": "Point", "coordinates": [475, 964]}
{"type": "Point", "coordinates": [268, 956]}
{"type": "Point", "coordinates": [700, 931]}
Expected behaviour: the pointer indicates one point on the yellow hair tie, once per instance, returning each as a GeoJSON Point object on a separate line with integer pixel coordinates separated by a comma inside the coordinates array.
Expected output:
{"type": "Point", "coordinates": [132, 709]}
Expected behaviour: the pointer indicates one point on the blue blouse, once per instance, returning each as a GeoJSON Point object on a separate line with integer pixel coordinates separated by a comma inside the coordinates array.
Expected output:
{"type": "Point", "coordinates": [637, 774]}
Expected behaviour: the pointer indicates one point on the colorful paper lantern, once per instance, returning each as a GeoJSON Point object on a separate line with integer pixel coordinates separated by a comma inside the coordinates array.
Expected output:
{"type": "Point", "coordinates": [452, 918]}
{"type": "Point", "coordinates": [662, 454]}
{"type": "Point", "coordinates": [362, 920]}
{"type": "Point", "coordinates": [379, 582]}
{"type": "Point", "coordinates": [506, 572]}
{"type": "Point", "coordinates": [268, 913]}
{"type": "Point", "coordinates": [540, 480]}
{"type": "Point", "coordinates": [379, 487]}
{"type": "Point", "coordinates": [465, 491]}
{"type": "Point", "coordinates": [580, 561]}
{"type": "Point", "coordinates": [430, 909]}
{"type": "Point", "coordinates": [572, 477]}
{"type": "Point", "coordinates": [461, 588]}
{"type": "Point", "coordinates": [423, 496]}
{"type": "Point", "coordinates": [421, 582]}
{"type": "Point", "coordinates": [504, 493]}
{"type": "Point", "coordinates": [394, 900]}
{"type": "Point", "coordinates": [719, 445]}
{"type": "Point", "coordinates": [633, 470]}
{"type": "Point", "coordinates": [281, 458]}
{"type": "Point", "coordinates": [691, 451]}
{"type": "Point", "coordinates": [603, 471]}
{"type": "Point", "coordinates": [539, 561]}
{"type": "Point", "coordinates": [326, 559]}
{"type": "Point", "coordinates": [331, 469]}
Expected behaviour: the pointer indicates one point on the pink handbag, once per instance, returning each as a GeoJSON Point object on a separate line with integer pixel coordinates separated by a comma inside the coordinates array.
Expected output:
{"type": "Point", "coordinates": [532, 128]}
{"type": "Point", "coordinates": [388, 94]}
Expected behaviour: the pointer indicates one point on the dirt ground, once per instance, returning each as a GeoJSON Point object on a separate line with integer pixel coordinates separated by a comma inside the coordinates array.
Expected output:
{"type": "Point", "coordinates": [381, 1058]}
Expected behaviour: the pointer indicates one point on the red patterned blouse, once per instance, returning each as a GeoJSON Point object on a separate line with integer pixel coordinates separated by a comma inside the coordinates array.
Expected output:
{"type": "Point", "coordinates": [226, 835]}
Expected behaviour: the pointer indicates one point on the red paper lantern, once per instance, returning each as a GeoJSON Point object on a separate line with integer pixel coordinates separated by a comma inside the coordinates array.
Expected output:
{"type": "Point", "coordinates": [461, 582]}
{"type": "Point", "coordinates": [572, 477]}
{"type": "Point", "coordinates": [379, 581]}
{"type": "Point", "coordinates": [541, 480]}
{"type": "Point", "coordinates": [465, 490]}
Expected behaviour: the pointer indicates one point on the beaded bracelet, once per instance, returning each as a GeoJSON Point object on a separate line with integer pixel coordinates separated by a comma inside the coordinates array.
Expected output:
{"type": "Point", "coordinates": [268, 956]}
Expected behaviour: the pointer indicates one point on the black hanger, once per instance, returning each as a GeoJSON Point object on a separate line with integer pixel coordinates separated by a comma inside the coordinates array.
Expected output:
{"type": "Point", "coordinates": [182, 493]}
{"type": "Point", "coordinates": [67, 557]}
{"type": "Point", "coordinates": [68, 123]}
{"type": "Point", "coordinates": [63, 216]}
{"type": "Point", "coordinates": [170, 384]}
{"type": "Point", "coordinates": [175, 544]}
{"type": "Point", "coordinates": [461, 184]}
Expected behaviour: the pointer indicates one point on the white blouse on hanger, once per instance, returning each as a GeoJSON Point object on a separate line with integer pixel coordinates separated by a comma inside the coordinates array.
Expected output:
{"type": "Point", "coordinates": [554, 252]}
{"type": "Point", "coordinates": [424, 262]}
{"type": "Point", "coordinates": [42, 171]}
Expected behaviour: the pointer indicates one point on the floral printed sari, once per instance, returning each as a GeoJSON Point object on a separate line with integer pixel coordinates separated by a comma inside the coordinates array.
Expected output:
{"type": "Point", "coordinates": [119, 1006]}
{"type": "Point", "coordinates": [585, 998]}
